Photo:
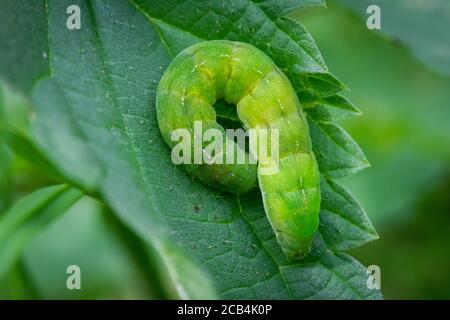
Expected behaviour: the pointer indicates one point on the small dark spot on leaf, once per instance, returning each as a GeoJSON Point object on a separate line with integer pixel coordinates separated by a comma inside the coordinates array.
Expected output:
{"type": "Point", "coordinates": [397, 42]}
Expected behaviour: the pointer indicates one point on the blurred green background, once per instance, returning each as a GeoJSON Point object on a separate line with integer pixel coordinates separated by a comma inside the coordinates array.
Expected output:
{"type": "Point", "coordinates": [399, 77]}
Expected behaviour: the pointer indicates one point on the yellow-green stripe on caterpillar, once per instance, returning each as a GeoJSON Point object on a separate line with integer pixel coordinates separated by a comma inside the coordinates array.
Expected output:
{"type": "Point", "coordinates": [244, 76]}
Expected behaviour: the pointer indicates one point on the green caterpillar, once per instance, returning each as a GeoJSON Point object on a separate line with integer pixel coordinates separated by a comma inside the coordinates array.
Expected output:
{"type": "Point", "coordinates": [244, 76]}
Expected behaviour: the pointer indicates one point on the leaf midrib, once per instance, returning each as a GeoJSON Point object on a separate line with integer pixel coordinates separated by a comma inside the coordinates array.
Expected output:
{"type": "Point", "coordinates": [110, 84]}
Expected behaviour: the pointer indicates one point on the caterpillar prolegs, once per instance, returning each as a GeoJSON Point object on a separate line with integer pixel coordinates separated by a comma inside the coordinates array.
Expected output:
{"type": "Point", "coordinates": [244, 76]}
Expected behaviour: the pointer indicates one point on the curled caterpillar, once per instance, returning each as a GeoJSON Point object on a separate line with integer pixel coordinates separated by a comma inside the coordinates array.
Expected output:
{"type": "Point", "coordinates": [244, 76]}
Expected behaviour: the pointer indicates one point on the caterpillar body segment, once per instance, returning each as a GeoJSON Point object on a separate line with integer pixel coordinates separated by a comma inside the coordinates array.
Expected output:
{"type": "Point", "coordinates": [265, 99]}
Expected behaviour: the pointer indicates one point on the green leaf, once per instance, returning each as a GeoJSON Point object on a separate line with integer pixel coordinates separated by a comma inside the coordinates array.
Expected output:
{"type": "Point", "coordinates": [343, 222]}
{"type": "Point", "coordinates": [118, 184]}
{"type": "Point", "coordinates": [28, 217]}
{"type": "Point", "coordinates": [5, 167]}
{"type": "Point", "coordinates": [226, 111]}
{"type": "Point", "coordinates": [331, 108]}
{"type": "Point", "coordinates": [279, 8]}
{"type": "Point", "coordinates": [17, 284]}
{"type": "Point", "coordinates": [25, 148]}
{"type": "Point", "coordinates": [337, 153]}
{"type": "Point", "coordinates": [305, 68]}
{"type": "Point", "coordinates": [333, 276]}
{"type": "Point", "coordinates": [24, 55]}
{"type": "Point", "coordinates": [182, 23]}
{"type": "Point", "coordinates": [324, 274]}
{"type": "Point", "coordinates": [97, 123]}
{"type": "Point", "coordinates": [5, 177]}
